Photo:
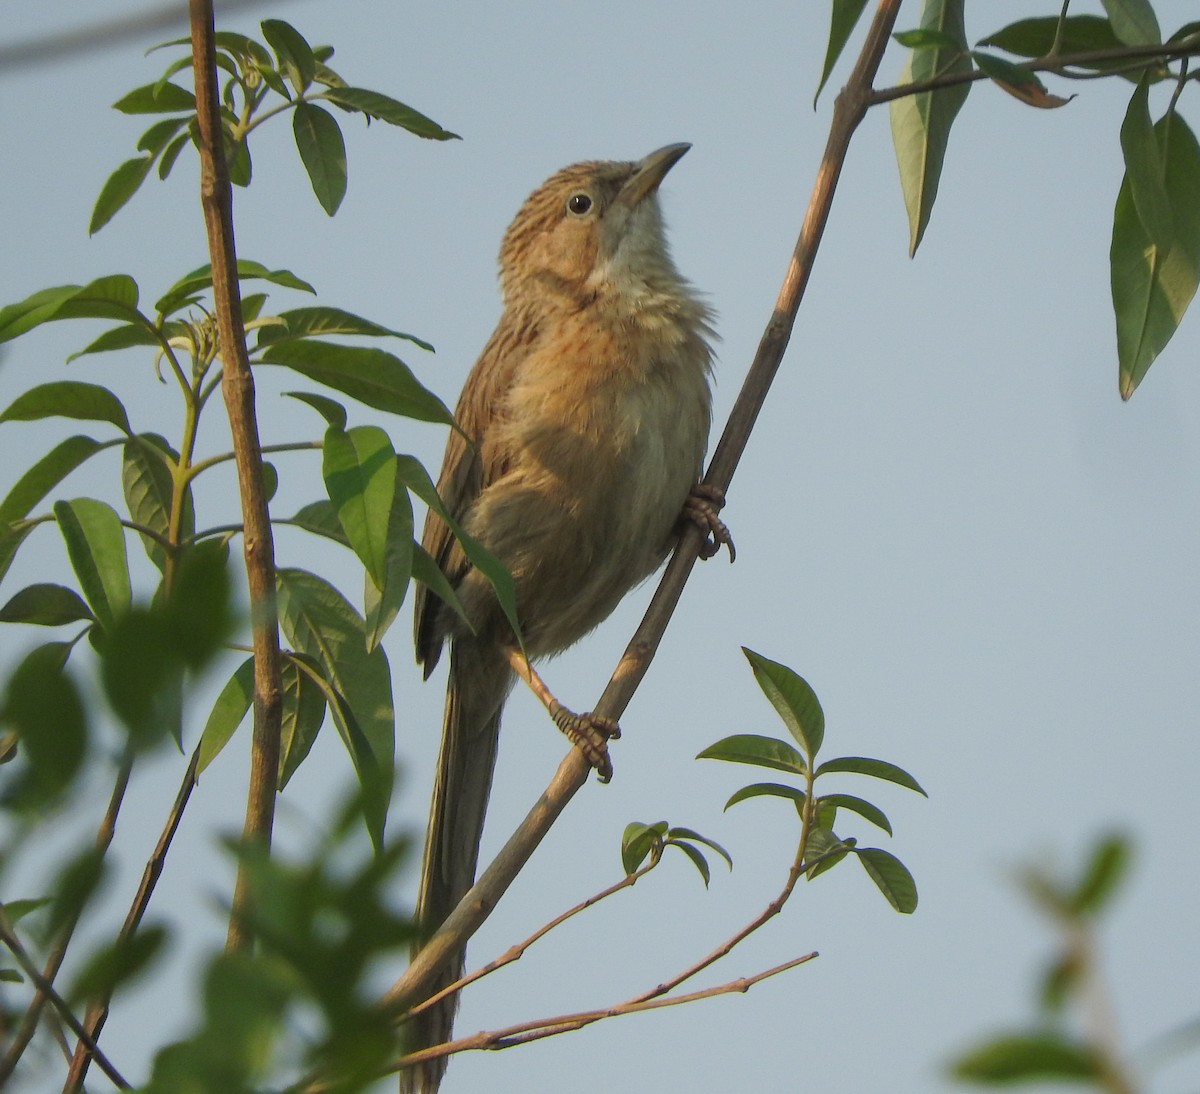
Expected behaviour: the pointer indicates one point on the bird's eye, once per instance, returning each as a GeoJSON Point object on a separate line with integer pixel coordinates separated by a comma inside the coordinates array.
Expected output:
{"type": "Point", "coordinates": [579, 204]}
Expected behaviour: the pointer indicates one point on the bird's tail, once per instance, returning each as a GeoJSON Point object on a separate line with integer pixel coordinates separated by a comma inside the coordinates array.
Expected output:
{"type": "Point", "coordinates": [480, 679]}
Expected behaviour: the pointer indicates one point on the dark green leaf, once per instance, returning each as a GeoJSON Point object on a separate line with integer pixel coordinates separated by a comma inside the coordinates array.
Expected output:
{"type": "Point", "coordinates": [68, 399]}
{"type": "Point", "coordinates": [892, 878]}
{"type": "Point", "coordinates": [112, 297]}
{"type": "Point", "coordinates": [637, 841]}
{"type": "Point", "coordinates": [37, 308]}
{"type": "Point", "coordinates": [1145, 171]}
{"type": "Point", "coordinates": [159, 135]}
{"type": "Point", "coordinates": [749, 748]}
{"type": "Point", "coordinates": [146, 477]}
{"type": "Point", "coordinates": [698, 860]}
{"type": "Point", "coordinates": [1034, 38]}
{"type": "Point", "coordinates": [303, 714]}
{"type": "Point", "coordinates": [825, 850]}
{"type": "Point", "coordinates": [171, 153]}
{"type": "Point", "coordinates": [320, 518]}
{"type": "Point", "coordinates": [16, 910]}
{"type": "Point", "coordinates": [877, 769]}
{"type": "Point", "coordinates": [383, 602]}
{"type": "Point", "coordinates": [96, 545]}
{"type": "Point", "coordinates": [114, 965]}
{"type": "Point", "coordinates": [45, 475]}
{"type": "Point", "coordinates": [794, 701]}
{"type": "Point", "coordinates": [142, 676]}
{"type": "Point", "coordinates": [842, 22]}
{"type": "Point", "coordinates": [319, 622]}
{"type": "Point", "coordinates": [228, 712]}
{"type": "Point", "coordinates": [372, 376]}
{"type": "Point", "coordinates": [125, 337]}
{"type": "Point", "coordinates": [11, 538]}
{"type": "Point", "coordinates": [928, 38]}
{"type": "Point", "coordinates": [11, 976]}
{"type": "Point", "coordinates": [199, 607]}
{"type": "Point", "coordinates": [1133, 21]}
{"type": "Point", "coordinates": [120, 186]}
{"type": "Point", "coordinates": [330, 409]}
{"type": "Point", "coordinates": [1028, 1057]}
{"type": "Point", "coordinates": [1105, 869]}
{"type": "Point", "coordinates": [921, 123]}
{"type": "Point", "coordinates": [293, 51]}
{"type": "Point", "coordinates": [375, 105]}
{"type": "Point", "coordinates": [201, 278]}
{"type": "Point", "coordinates": [321, 321]}
{"type": "Point", "coordinates": [241, 168]}
{"type": "Point", "coordinates": [323, 153]}
{"type": "Point", "coordinates": [772, 790]}
{"type": "Point", "coordinates": [156, 98]}
{"type": "Point", "coordinates": [46, 605]}
{"type": "Point", "coordinates": [863, 808]}
{"type": "Point", "coordinates": [359, 468]}
{"type": "Point", "coordinates": [695, 837]}
{"type": "Point", "coordinates": [429, 573]}
{"type": "Point", "coordinates": [1152, 290]}
{"type": "Point", "coordinates": [43, 707]}
{"type": "Point", "coordinates": [252, 304]}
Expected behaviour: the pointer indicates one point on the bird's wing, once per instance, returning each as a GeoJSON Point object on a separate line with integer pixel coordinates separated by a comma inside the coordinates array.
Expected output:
{"type": "Point", "coordinates": [467, 469]}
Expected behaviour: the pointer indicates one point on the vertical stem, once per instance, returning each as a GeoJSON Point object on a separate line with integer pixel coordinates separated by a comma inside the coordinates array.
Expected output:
{"type": "Point", "coordinates": [216, 196]}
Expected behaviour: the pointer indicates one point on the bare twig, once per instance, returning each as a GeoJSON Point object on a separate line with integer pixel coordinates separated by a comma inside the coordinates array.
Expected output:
{"type": "Point", "coordinates": [216, 197]}
{"type": "Point", "coordinates": [97, 1013]}
{"type": "Point", "coordinates": [849, 109]}
{"type": "Point", "coordinates": [46, 989]}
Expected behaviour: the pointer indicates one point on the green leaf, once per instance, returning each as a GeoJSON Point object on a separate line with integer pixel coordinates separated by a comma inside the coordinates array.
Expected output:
{"type": "Point", "coordinates": [120, 186]}
{"type": "Point", "coordinates": [112, 297]}
{"type": "Point", "coordinates": [375, 105]}
{"type": "Point", "coordinates": [1105, 869]}
{"type": "Point", "coordinates": [877, 769]}
{"type": "Point", "coordinates": [171, 153]}
{"type": "Point", "coordinates": [228, 712]}
{"type": "Point", "coordinates": [429, 573]}
{"type": "Point", "coordinates": [68, 399]}
{"type": "Point", "coordinates": [323, 153]}
{"type": "Point", "coordinates": [11, 538]}
{"type": "Point", "coordinates": [45, 605]}
{"type": "Point", "coordinates": [686, 834]}
{"type": "Point", "coordinates": [149, 487]}
{"type": "Point", "coordinates": [921, 123]}
{"type": "Point", "coordinates": [303, 715]}
{"type": "Point", "coordinates": [698, 860]}
{"type": "Point", "coordinates": [863, 808]}
{"type": "Point", "coordinates": [1020, 82]}
{"type": "Point", "coordinates": [118, 338]}
{"type": "Point", "coordinates": [773, 790]}
{"type": "Point", "coordinates": [842, 21]}
{"type": "Point", "coordinates": [142, 676]}
{"type": "Point", "coordinates": [321, 321]}
{"type": "Point", "coordinates": [749, 748]}
{"type": "Point", "coordinates": [117, 964]}
{"type": "Point", "coordinates": [891, 876]}
{"type": "Point", "coordinates": [156, 98]}
{"type": "Point", "coordinates": [1145, 171]}
{"type": "Point", "coordinates": [330, 409]}
{"type": "Point", "coordinates": [825, 850]}
{"type": "Point", "coordinates": [372, 376]}
{"type": "Point", "coordinates": [1151, 289]}
{"type": "Point", "coordinates": [45, 475]}
{"type": "Point", "coordinates": [43, 707]}
{"type": "Point", "coordinates": [16, 910]}
{"type": "Point", "coordinates": [1034, 38]}
{"type": "Point", "coordinates": [1028, 1057]}
{"type": "Point", "coordinates": [293, 51]}
{"type": "Point", "coordinates": [359, 468]}
{"type": "Point", "coordinates": [96, 545]}
{"type": "Point", "coordinates": [637, 841]}
{"type": "Point", "coordinates": [1134, 22]}
{"type": "Point", "coordinates": [383, 602]}
{"type": "Point", "coordinates": [794, 701]}
{"type": "Point", "coordinates": [927, 38]}
{"type": "Point", "coordinates": [320, 623]}
{"type": "Point", "coordinates": [201, 278]}
{"type": "Point", "coordinates": [320, 518]}
{"type": "Point", "coordinates": [159, 135]}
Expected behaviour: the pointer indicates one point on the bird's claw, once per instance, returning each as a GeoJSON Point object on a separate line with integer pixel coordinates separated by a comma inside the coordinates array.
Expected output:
{"type": "Point", "coordinates": [702, 508]}
{"type": "Point", "coordinates": [590, 733]}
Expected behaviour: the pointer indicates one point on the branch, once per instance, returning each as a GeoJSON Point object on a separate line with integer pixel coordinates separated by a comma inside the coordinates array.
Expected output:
{"type": "Point", "coordinates": [46, 989]}
{"type": "Point", "coordinates": [849, 109]}
{"type": "Point", "coordinates": [216, 197]}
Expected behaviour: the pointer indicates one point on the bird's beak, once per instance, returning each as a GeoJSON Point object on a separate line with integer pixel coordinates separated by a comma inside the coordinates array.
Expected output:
{"type": "Point", "coordinates": [650, 172]}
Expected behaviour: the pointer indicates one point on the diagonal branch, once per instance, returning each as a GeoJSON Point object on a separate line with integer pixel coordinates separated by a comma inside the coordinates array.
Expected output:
{"type": "Point", "coordinates": [849, 109]}
{"type": "Point", "coordinates": [216, 197]}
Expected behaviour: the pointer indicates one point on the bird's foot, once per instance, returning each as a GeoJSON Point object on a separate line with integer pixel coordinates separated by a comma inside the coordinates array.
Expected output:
{"type": "Point", "coordinates": [590, 733]}
{"type": "Point", "coordinates": [702, 508]}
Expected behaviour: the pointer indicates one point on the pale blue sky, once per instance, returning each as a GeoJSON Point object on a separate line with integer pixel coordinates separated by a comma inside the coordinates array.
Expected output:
{"type": "Point", "coordinates": [947, 521]}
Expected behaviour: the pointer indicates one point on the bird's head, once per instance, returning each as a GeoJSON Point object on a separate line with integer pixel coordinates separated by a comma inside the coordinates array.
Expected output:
{"type": "Point", "coordinates": [589, 227]}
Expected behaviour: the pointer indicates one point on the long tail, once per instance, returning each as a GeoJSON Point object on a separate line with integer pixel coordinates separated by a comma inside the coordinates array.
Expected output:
{"type": "Point", "coordinates": [480, 680]}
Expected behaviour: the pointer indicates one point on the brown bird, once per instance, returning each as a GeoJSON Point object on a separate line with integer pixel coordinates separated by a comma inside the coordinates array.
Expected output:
{"type": "Point", "coordinates": [589, 410]}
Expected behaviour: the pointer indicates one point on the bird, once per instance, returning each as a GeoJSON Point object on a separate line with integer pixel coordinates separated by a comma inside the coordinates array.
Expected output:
{"type": "Point", "coordinates": [584, 425]}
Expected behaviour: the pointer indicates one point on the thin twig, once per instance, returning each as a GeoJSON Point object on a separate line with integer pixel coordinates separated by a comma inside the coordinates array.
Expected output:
{"type": "Point", "coordinates": [216, 196]}
{"type": "Point", "coordinates": [850, 107]}
{"type": "Point", "coordinates": [45, 988]}
{"type": "Point", "coordinates": [97, 1013]}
